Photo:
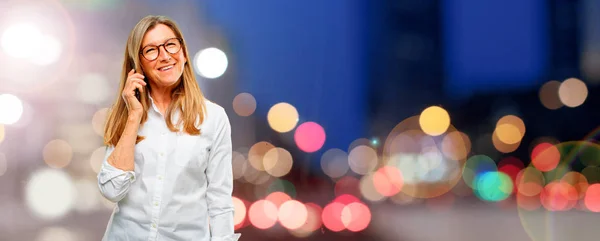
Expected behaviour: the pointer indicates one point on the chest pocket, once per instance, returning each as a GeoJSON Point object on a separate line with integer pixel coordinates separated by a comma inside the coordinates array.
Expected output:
{"type": "Point", "coordinates": [192, 152]}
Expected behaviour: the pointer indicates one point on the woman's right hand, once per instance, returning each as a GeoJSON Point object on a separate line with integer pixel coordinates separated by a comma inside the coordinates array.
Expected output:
{"type": "Point", "coordinates": [134, 81]}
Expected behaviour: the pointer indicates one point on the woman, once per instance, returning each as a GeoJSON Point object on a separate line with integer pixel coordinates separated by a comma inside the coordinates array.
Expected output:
{"type": "Point", "coordinates": [168, 156]}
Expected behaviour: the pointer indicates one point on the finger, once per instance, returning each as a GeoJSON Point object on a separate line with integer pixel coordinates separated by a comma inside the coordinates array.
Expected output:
{"type": "Point", "coordinates": [138, 75]}
{"type": "Point", "coordinates": [139, 87]}
{"type": "Point", "coordinates": [137, 80]}
{"type": "Point", "coordinates": [131, 86]}
{"type": "Point", "coordinates": [132, 71]}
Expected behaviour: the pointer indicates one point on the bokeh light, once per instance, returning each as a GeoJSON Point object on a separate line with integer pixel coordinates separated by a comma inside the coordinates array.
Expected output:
{"type": "Point", "coordinates": [57, 153]}
{"type": "Point", "coordinates": [309, 137]}
{"type": "Point", "coordinates": [332, 216]}
{"type": "Point", "coordinates": [334, 163]}
{"type": "Point", "coordinates": [282, 117]}
{"type": "Point", "coordinates": [434, 120]}
{"type": "Point", "coordinates": [11, 109]}
{"type": "Point", "coordinates": [578, 181]}
{"type": "Point", "coordinates": [96, 159]}
{"type": "Point", "coordinates": [360, 142]}
{"type": "Point", "coordinates": [277, 162]}
{"type": "Point", "coordinates": [572, 92]}
{"type": "Point", "coordinates": [99, 121]}
{"type": "Point", "coordinates": [530, 181]}
{"type": "Point", "coordinates": [368, 190]}
{"type": "Point", "coordinates": [545, 157]}
{"type": "Point", "coordinates": [510, 129]}
{"type": "Point", "coordinates": [501, 146]}
{"type": "Point", "coordinates": [56, 233]}
{"type": "Point", "coordinates": [429, 167]}
{"type": "Point", "coordinates": [211, 63]}
{"type": "Point", "coordinates": [263, 214]}
{"type": "Point", "coordinates": [239, 215]}
{"type": "Point", "coordinates": [549, 95]}
{"type": "Point", "coordinates": [362, 160]}
{"type": "Point", "coordinates": [475, 166]}
{"type": "Point", "coordinates": [21, 40]}
{"type": "Point", "coordinates": [88, 197]}
{"type": "Point", "coordinates": [257, 153]}
{"type": "Point", "coordinates": [2, 133]}
{"type": "Point", "coordinates": [493, 186]}
{"type": "Point", "coordinates": [592, 198]}
{"type": "Point", "coordinates": [388, 181]}
{"type": "Point", "coordinates": [278, 198]}
{"type": "Point", "coordinates": [50, 193]}
{"type": "Point", "coordinates": [244, 104]}
{"type": "Point", "coordinates": [558, 196]}
{"type": "Point", "coordinates": [313, 221]}
{"type": "Point", "coordinates": [356, 216]}
{"type": "Point", "coordinates": [238, 165]}
{"type": "Point", "coordinates": [48, 51]}
{"type": "Point", "coordinates": [292, 214]}
{"type": "Point", "coordinates": [511, 166]}
{"type": "Point", "coordinates": [456, 145]}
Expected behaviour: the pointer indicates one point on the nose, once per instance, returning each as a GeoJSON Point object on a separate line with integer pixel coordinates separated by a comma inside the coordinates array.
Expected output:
{"type": "Point", "coordinates": [163, 54]}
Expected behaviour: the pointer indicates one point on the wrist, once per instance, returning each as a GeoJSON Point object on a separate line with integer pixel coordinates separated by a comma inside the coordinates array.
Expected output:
{"type": "Point", "coordinates": [135, 116]}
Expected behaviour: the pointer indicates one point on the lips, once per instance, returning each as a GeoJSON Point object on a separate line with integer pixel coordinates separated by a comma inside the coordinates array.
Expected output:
{"type": "Point", "coordinates": [166, 68]}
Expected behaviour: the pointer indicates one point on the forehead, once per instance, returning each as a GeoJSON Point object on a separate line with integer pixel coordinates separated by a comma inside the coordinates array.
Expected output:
{"type": "Point", "coordinates": [158, 35]}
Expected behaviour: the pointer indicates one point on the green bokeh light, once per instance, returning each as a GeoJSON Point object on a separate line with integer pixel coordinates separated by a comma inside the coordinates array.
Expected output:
{"type": "Point", "coordinates": [493, 186]}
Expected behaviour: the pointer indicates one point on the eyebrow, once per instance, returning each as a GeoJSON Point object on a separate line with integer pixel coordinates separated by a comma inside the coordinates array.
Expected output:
{"type": "Point", "coordinates": [161, 42]}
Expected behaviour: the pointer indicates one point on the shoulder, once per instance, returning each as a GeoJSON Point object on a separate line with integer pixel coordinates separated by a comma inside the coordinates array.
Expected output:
{"type": "Point", "coordinates": [214, 110]}
{"type": "Point", "coordinates": [215, 115]}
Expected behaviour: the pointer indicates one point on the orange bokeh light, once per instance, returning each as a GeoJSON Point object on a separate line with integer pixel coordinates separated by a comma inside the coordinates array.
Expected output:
{"type": "Point", "coordinates": [545, 157]}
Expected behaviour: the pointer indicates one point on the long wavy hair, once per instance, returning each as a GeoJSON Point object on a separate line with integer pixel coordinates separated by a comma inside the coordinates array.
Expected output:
{"type": "Point", "coordinates": [187, 97]}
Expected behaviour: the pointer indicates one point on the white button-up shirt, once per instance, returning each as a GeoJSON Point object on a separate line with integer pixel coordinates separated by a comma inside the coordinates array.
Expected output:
{"type": "Point", "coordinates": [181, 186]}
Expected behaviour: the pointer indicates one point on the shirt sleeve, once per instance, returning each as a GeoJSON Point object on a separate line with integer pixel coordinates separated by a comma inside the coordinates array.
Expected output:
{"type": "Point", "coordinates": [114, 183]}
{"type": "Point", "coordinates": [220, 184]}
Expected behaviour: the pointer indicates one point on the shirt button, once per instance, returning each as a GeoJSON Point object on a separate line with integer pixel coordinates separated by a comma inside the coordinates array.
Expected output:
{"type": "Point", "coordinates": [159, 177]}
{"type": "Point", "coordinates": [155, 203]}
{"type": "Point", "coordinates": [154, 225]}
{"type": "Point", "coordinates": [164, 134]}
{"type": "Point", "coordinates": [161, 154]}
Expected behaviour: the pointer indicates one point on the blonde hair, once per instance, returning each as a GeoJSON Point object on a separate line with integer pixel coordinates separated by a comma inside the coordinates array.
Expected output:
{"type": "Point", "coordinates": [187, 93]}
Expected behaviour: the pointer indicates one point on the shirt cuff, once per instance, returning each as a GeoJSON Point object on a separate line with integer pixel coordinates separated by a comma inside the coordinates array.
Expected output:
{"type": "Point", "coordinates": [231, 237]}
{"type": "Point", "coordinates": [109, 172]}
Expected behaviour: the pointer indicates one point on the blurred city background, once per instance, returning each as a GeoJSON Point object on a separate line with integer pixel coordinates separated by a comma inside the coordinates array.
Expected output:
{"type": "Point", "coordinates": [389, 120]}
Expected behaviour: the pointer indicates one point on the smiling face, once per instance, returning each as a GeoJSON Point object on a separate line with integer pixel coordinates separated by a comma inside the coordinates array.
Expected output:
{"type": "Point", "coordinates": [166, 70]}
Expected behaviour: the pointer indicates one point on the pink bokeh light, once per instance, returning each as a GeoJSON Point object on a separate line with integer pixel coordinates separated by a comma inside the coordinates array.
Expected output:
{"type": "Point", "coordinates": [309, 137]}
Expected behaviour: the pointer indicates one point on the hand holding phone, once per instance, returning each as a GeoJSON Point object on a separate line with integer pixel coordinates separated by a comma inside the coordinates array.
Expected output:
{"type": "Point", "coordinates": [134, 85]}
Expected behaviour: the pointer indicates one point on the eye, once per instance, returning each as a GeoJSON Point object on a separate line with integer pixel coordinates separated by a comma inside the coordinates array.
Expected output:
{"type": "Point", "coordinates": [149, 50]}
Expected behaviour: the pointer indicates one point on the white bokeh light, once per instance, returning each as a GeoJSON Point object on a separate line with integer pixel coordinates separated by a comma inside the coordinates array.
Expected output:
{"type": "Point", "coordinates": [211, 63]}
{"type": "Point", "coordinates": [56, 233]}
{"type": "Point", "coordinates": [48, 51]}
{"type": "Point", "coordinates": [50, 193]}
{"type": "Point", "coordinates": [11, 109]}
{"type": "Point", "coordinates": [21, 40]}
{"type": "Point", "coordinates": [87, 196]}
{"type": "Point", "coordinates": [93, 89]}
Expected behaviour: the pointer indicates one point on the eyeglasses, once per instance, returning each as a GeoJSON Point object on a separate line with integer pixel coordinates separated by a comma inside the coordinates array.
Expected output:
{"type": "Point", "coordinates": [151, 52]}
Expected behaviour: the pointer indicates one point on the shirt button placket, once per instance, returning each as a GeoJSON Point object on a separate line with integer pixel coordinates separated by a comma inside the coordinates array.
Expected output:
{"type": "Point", "coordinates": [160, 170]}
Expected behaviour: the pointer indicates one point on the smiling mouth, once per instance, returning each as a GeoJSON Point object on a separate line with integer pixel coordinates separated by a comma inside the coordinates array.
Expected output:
{"type": "Point", "coordinates": [166, 68]}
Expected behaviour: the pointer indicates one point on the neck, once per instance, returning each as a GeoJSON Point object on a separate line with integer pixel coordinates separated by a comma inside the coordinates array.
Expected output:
{"type": "Point", "coordinates": [161, 97]}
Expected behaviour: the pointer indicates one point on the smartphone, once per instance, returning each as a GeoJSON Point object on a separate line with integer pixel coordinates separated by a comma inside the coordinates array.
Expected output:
{"type": "Point", "coordinates": [137, 91]}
